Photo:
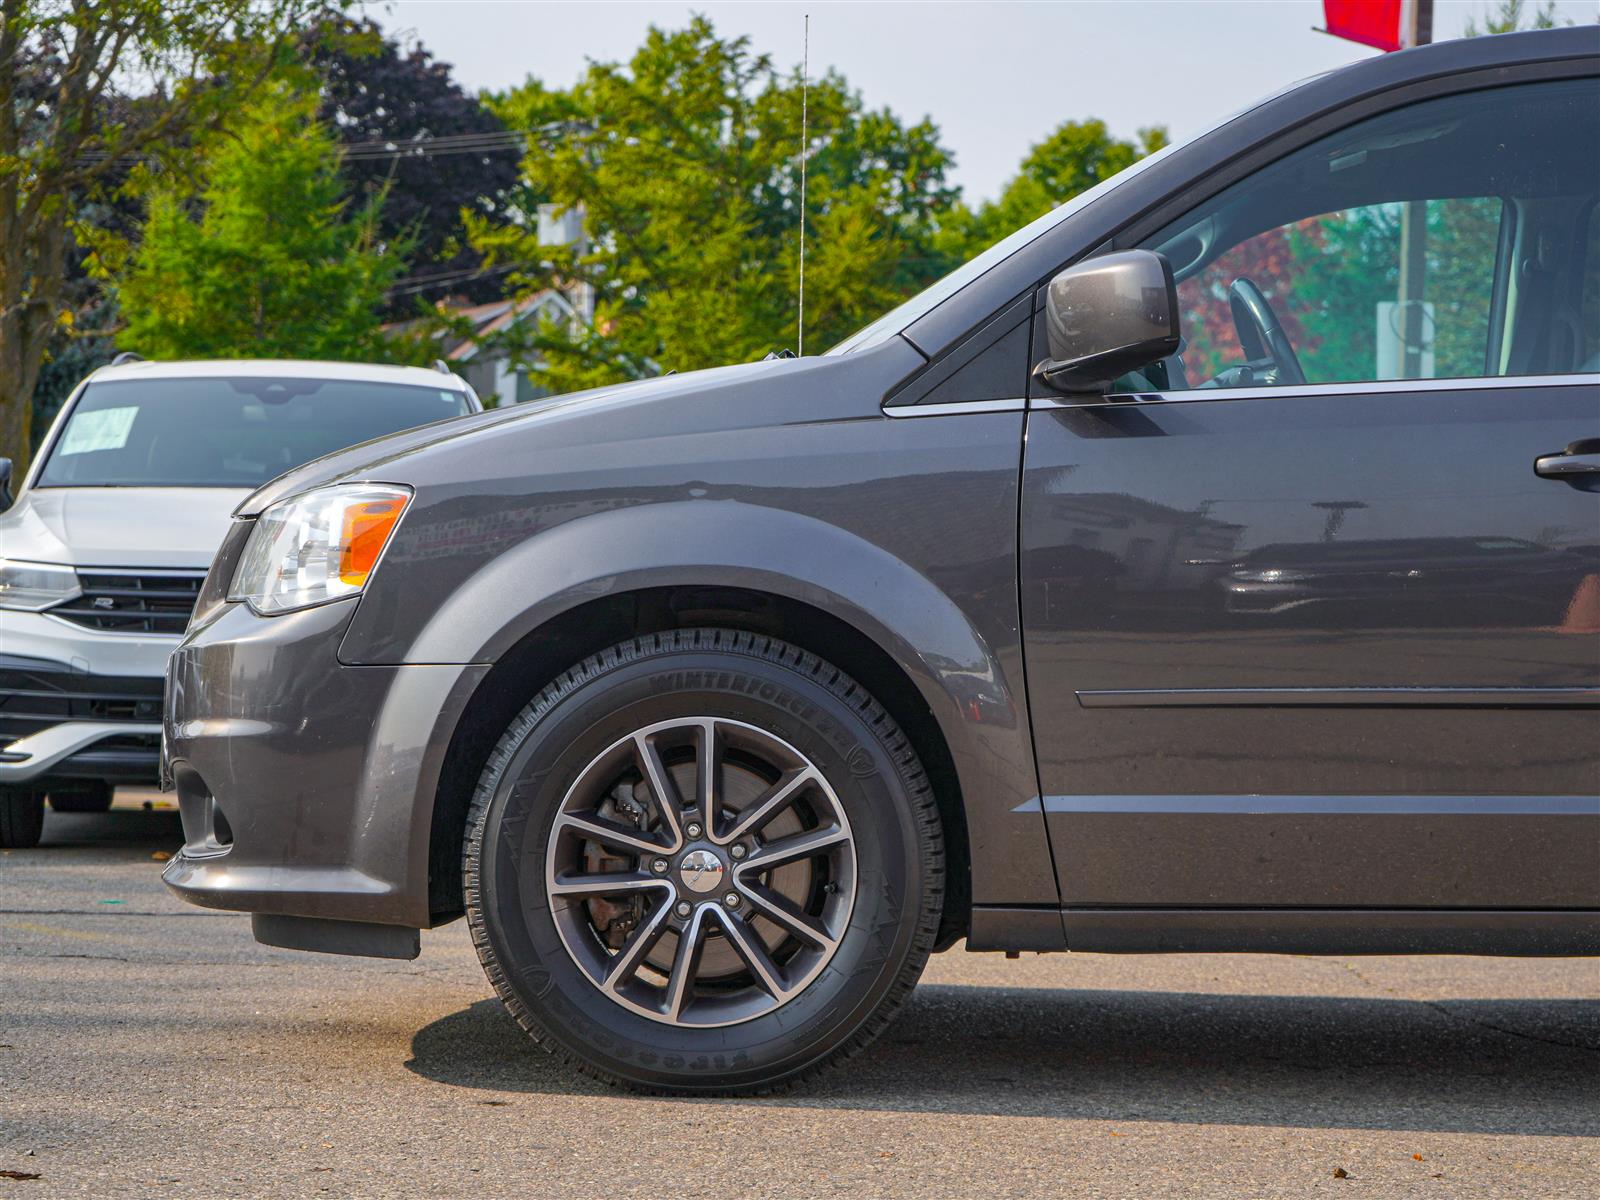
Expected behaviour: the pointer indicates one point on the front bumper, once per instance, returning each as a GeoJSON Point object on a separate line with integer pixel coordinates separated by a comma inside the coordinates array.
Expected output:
{"type": "Point", "coordinates": [60, 722]}
{"type": "Point", "coordinates": [305, 786]}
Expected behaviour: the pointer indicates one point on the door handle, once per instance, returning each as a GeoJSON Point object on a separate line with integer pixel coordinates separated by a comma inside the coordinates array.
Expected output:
{"type": "Point", "coordinates": [1580, 458]}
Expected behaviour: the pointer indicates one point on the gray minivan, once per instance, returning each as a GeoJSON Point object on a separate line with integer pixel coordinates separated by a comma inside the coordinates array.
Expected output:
{"type": "Point", "coordinates": [1212, 565]}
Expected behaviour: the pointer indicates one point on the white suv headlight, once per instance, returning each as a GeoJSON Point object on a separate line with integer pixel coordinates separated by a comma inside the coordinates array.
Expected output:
{"type": "Point", "coordinates": [33, 587]}
{"type": "Point", "coordinates": [317, 547]}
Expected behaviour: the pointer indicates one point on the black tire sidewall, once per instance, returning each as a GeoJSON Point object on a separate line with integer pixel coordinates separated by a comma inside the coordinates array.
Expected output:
{"type": "Point", "coordinates": [21, 819]}
{"type": "Point", "coordinates": [675, 682]}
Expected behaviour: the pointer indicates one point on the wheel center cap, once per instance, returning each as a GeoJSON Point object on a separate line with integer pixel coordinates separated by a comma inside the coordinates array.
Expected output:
{"type": "Point", "coordinates": [701, 871]}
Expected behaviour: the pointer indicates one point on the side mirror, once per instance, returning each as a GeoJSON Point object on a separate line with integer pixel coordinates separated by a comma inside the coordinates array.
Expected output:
{"type": "Point", "coordinates": [1108, 316]}
{"type": "Point", "coordinates": [5, 484]}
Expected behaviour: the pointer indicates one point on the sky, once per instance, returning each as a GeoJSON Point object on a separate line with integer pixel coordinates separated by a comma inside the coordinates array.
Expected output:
{"type": "Point", "coordinates": [995, 77]}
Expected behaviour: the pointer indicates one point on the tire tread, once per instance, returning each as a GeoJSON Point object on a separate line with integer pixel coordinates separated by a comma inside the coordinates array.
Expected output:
{"type": "Point", "coordinates": [914, 780]}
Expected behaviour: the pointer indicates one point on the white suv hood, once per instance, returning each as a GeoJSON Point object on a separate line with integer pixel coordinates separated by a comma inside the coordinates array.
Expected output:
{"type": "Point", "coordinates": [118, 527]}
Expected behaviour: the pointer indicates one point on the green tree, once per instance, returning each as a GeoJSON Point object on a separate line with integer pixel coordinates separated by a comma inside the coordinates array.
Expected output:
{"type": "Point", "coordinates": [685, 165]}
{"type": "Point", "coordinates": [1508, 16]}
{"type": "Point", "coordinates": [1075, 157]}
{"type": "Point", "coordinates": [84, 89]}
{"type": "Point", "coordinates": [269, 260]}
{"type": "Point", "coordinates": [431, 148]}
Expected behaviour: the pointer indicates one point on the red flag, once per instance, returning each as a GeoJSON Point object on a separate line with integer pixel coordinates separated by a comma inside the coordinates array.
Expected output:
{"type": "Point", "coordinates": [1370, 22]}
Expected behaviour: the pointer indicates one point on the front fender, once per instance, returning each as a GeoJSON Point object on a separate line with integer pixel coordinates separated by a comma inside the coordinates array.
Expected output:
{"type": "Point", "coordinates": [972, 688]}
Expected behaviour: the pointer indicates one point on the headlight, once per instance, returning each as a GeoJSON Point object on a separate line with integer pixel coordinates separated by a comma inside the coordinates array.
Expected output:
{"type": "Point", "coordinates": [33, 587]}
{"type": "Point", "coordinates": [317, 547]}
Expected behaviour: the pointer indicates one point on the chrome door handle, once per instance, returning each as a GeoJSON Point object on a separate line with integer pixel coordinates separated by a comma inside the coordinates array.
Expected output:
{"type": "Point", "coordinates": [1580, 458]}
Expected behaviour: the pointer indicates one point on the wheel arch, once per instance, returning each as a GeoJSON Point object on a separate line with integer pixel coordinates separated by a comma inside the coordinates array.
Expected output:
{"type": "Point", "coordinates": [543, 652]}
{"type": "Point", "coordinates": [596, 579]}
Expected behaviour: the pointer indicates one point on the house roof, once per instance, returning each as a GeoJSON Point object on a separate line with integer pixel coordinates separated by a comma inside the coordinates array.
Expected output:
{"type": "Point", "coordinates": [490, 318]}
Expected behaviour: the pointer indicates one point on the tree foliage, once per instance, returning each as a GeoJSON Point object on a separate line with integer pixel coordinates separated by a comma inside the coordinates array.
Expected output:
{"type": "Point", "coordinates": [423, 143]}
{"type": "Point", "coordinates": [1508, 16]}
{"type": "Point", "coordinates": [685, 163]}
{"type": "Point", "coordinates": [1075, 157]}
{"type": "Point", "coordinates": [71, 77]}
{"type": "Point", "coordinates": [270, 261]}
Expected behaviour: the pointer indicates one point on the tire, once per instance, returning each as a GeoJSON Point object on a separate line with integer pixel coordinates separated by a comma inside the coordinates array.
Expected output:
{"type": "Point", "coordinates": [822, 909]}
{"type": "Point", "coordinates": [93, 796]}
{"type": "Point", "coordinates": [21, 818]}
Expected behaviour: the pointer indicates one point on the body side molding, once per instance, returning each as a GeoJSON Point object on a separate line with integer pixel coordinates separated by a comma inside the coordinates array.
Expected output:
{"type": "Point", "coordinates": [1398, 806]}
{"type": "Point", "coordinates": [1511, 933]}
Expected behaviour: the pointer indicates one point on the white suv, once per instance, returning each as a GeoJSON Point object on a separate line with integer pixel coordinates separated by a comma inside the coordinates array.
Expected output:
{"type": "Point", "coordinates": [104, 548]}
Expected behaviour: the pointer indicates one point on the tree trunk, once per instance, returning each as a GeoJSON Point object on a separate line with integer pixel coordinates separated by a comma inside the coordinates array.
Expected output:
{"type": "Point", "coordinates": [20, 359]}
{"type": "Point", "coordinates": [30, 297]}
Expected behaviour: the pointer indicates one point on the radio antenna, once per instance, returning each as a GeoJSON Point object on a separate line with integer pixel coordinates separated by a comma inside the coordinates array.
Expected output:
{"type": "Point", "coordinates": [805, 148]}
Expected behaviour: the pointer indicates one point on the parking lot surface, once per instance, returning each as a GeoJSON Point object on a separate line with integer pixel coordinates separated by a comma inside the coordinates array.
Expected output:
{"type": "Point", "coordinates": [152, 1049]}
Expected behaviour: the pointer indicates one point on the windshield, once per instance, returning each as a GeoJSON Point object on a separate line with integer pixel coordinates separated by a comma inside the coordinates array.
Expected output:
{"type": "Point", "coordinates": [232, 433]}
{"type": "Point", "coordinates": [926, 301]}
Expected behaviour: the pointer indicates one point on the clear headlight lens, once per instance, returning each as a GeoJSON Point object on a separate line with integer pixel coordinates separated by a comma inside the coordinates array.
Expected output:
{"type": "Point", "coordinates": [33, 587]}
{"type": "Point", "coordinates": [317, 547]}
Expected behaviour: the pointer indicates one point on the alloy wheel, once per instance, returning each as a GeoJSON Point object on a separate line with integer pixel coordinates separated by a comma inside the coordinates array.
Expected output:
{"type": "Point", "coordinates": [701, 872]}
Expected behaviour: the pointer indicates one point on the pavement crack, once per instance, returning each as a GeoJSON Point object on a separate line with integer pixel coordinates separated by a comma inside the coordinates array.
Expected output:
{"type": "Point", "coordinates": [1442, 1007]}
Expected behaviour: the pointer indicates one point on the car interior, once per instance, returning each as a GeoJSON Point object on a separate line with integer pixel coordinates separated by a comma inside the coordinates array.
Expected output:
{"type": "Point", "coordinates": [1457, 237]}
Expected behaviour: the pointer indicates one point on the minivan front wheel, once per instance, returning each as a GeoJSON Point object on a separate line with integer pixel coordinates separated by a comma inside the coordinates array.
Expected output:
{"type": "Point", "coordinates": [703, 860]}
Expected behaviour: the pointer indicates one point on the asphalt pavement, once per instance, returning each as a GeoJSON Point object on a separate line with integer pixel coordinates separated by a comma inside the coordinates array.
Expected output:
{"type": "Point", "coordinates": [152, 1049]}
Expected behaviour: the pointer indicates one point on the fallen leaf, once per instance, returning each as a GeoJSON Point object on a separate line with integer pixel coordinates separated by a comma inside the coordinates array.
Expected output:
{"type": "Point", "coordinates": [1340, 1173]}
{"type": "Point", "coordinates": [19, 1175]}
{"type": "Point", "coordinates": [1419, 1158]}
{"type": "Point", "coordinates": [161, 856]}
{"type": "Point", "coordinates": [495, 1103]}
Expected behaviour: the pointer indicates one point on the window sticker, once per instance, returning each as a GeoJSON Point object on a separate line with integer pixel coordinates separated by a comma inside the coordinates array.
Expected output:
{"type": "Point", "coordinates": [102, 429]}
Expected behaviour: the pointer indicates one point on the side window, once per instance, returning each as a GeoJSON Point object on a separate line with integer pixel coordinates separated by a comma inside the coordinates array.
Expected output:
{"type": "Point", "coordinates": [1334, 283]}
{"type": "Point", "coordinates": [1415, 245]}
{"type": "Point", "coordinates": [1590, 304]}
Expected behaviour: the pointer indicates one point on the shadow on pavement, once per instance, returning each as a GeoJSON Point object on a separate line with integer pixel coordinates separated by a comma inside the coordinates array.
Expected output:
{"type": "Point", "coordinates": [1512, 1066]}
{"type": "Point", "coordinates": [124, 832]}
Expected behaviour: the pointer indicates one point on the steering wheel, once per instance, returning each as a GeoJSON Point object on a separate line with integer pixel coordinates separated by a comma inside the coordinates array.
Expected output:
{"type": "Point", "coordinates": [1261, 334]}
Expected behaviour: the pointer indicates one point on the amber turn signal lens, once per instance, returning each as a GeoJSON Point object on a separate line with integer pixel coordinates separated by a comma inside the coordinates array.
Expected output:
{"type": "Point", "coordinates": [366, 530]}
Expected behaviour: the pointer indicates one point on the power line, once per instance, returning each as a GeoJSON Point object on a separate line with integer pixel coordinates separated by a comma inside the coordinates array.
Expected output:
{"type": "Point", "coordinates": [426, 283]}
{"type": "Point", "coordinates": [497, 141]}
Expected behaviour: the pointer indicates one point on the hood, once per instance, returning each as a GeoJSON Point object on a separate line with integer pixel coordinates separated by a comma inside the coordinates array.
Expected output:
{"type": "Point", "coordinates": [118, 527]}
{"type": "Point", "coordinates": [370, 460]}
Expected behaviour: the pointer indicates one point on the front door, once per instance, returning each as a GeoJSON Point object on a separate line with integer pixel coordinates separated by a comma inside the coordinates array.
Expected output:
{"type": "Point", "coordinates": [1319, 633]}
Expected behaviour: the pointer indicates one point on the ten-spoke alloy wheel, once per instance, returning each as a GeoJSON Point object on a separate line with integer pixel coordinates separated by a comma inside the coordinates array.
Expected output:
{"type": "Point", "coordinates": [703, 860]}
{"type": "Point", "coordinates": [702, 871]}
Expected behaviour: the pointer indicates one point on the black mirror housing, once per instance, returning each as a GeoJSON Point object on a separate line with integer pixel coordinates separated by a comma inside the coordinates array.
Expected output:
{"type": "Point", "coordinates": [5, 484]}
{"type": "Point", "coordinates": [1108, 316]}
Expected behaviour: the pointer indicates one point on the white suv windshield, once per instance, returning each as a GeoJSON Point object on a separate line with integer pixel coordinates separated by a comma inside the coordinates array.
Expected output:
{"type": "Point", "coordinates": [227, 432]}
